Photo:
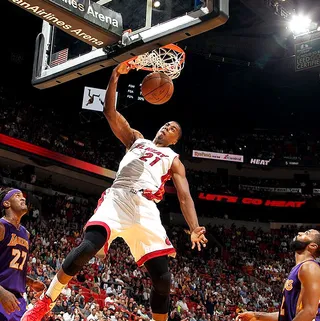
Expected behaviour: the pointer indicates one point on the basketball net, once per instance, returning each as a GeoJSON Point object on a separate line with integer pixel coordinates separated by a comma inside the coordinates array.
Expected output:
{"type": "Point", "coordinates": [168, 59]}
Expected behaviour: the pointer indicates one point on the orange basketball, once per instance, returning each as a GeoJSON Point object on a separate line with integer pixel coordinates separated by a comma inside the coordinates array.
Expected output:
{"type": "Point", "coordinates": [157, 88]}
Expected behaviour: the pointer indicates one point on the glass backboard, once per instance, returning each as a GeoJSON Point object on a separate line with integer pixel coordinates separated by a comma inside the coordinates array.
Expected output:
{"type": "Point", "coordinates": [147, 24]}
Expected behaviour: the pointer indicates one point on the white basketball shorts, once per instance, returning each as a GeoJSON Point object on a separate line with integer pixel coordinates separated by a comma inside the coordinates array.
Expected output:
{"type": "Point", "coordinates": [129, 215]}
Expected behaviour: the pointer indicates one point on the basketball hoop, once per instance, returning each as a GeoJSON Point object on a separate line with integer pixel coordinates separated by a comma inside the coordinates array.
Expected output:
{"type": "Point", "coordinates": [168, 59]}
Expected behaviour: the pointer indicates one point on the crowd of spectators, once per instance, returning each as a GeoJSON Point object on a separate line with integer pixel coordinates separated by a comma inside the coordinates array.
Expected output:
{"type": "Point", "coordinates": [199, 182]}
{"type": "Point", "coordinates": [211, 182]}
{"type": "Point", "coordinates": [51, 128]}
{"type": "Point", "coordinates": [241, 270]}
{"type": "Point", "coordinates": [261, 143]}
{"type": "Point", "coordinates": [205, 181]}
{"type": "Point", "coordinates": [205, 286]}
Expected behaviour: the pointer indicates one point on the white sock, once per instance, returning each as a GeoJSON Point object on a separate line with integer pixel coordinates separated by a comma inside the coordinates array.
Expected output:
{"type": "Point", "coordinates": [54, 289]}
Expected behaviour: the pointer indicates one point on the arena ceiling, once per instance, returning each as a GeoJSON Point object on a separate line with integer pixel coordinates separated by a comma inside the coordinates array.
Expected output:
{"type": "Point", "coordinates": [255, 39]}
{"type": "Point", "coordinates": [254, 32]}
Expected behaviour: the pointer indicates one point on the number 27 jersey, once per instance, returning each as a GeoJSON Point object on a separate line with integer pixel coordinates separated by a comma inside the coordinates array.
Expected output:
{"type": "Point", "coordinates": [145, 167]}
{"type": "Point", "coordinates": [14, 251]}
{"type": "Point", "coordinates": [292, 301]}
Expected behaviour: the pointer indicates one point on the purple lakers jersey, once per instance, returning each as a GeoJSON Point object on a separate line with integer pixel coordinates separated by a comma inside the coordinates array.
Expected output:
{"type": "Point", "coordinates": [291, 300]}
{"type": "Point", "coordinates": [14, 251]}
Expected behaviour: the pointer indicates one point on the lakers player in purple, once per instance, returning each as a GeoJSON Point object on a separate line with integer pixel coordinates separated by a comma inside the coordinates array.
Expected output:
{"type": "Point", "coordinates": [301, 291]}
{"type": "Point", "coordinates": [14, 251]}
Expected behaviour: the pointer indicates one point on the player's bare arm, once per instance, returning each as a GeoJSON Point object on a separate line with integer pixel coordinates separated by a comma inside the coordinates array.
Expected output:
{"type": "Point", "coordinates": [309, 275]}
{"type": "Point", "coordinates": [255, 316]}
{"type": "Point", "coordinates": [187, 205]}
{"type": "Point", "coordinates": [117, 122]}
{"type": "Point", "coordinates": [2, 232]}
{"type": "Point", "coordinates": [36, 285]}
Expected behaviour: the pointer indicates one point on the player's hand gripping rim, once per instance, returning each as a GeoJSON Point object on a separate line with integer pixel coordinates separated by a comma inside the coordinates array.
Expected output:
{"type": "Point", "coordinates": [123, 68]}
{"type": "Point", "coordinates": [198, 238]}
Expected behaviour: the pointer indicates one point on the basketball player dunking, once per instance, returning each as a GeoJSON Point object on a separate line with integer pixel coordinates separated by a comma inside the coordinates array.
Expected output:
{"type": "Point", "coordinates": [301, 291]}
{"type": "Point", "coordinates": [128, 209]}
{"type": "Point", "coordinates": [14, 250]}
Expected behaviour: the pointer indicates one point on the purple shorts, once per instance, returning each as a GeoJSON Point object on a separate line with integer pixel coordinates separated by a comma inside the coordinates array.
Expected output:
{"type": "Point", "coordinates": [16, 315]}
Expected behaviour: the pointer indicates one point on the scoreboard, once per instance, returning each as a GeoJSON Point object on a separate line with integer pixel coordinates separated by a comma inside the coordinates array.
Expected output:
{"type": "Point", "coordinates": [133, 92]}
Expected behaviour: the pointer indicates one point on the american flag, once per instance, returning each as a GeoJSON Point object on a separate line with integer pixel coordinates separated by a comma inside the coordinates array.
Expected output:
{"type": "Point", "coordinates": [59, 57]}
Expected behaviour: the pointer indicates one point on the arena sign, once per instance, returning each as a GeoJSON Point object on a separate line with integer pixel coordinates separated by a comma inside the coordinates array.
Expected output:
{"type": "Point", "coordinates": [250, 201]}
{"type": "Point", "coordinates": [307, 54]}
{"type": "Point", "coordinates": [89, 22]}
{"type": "Point", "coordinates": [292, 190]}
{"type": "Point", "coordinates": [262, 162]}
{"type": "Point", "coordinates": [218, 156]}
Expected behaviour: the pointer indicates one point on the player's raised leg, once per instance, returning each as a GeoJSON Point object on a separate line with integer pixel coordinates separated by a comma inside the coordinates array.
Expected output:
{"type": "Point", "coordinates": [158, 269]}
{"type": "Point", "coordinates": [94, 239]}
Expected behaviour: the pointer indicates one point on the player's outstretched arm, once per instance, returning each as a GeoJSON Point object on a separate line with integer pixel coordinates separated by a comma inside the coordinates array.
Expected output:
{"type": "Point", "coordinates": [257, 316]}
{"type": "Point", "coordinates": [186, 204]}
{"type": "Point", "coordinates": [117, 122]}
{"type": "Point", "coordinates": [36, 285]}
{"type": "Point", "coordinates": [309, 275]}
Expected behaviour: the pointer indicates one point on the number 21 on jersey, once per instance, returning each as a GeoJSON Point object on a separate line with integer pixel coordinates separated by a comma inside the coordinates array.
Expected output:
{"type": "Point", "coordinates": [149, 157]}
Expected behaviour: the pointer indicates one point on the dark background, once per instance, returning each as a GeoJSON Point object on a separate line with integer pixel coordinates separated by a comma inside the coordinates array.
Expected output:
{"type": "Point", "coordinates": [256, 86]}
{"type": "Point", "coordinates": [238, 77]}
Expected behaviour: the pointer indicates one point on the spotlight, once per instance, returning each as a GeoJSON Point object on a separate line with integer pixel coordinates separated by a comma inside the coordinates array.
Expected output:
{"type": "Point", "coordinates": [156, 4]}
{"type": "Point", "coordinates": [300, 24]}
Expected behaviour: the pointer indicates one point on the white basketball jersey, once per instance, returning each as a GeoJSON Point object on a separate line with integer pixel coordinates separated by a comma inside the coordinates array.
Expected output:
{"type": "Point", "coordinates": [145, 167]}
